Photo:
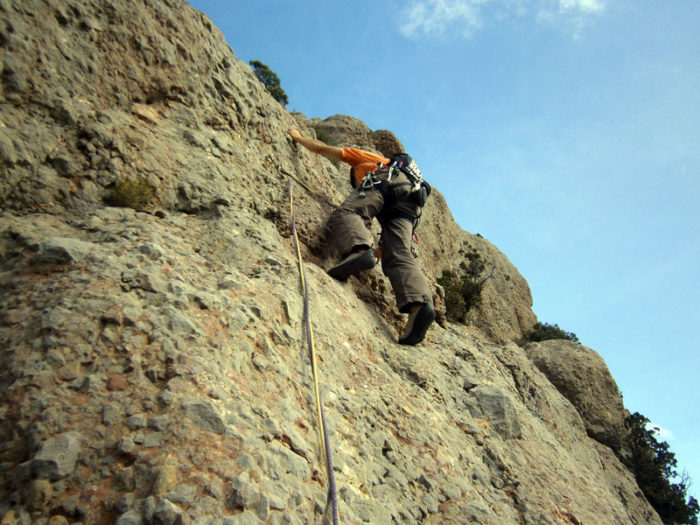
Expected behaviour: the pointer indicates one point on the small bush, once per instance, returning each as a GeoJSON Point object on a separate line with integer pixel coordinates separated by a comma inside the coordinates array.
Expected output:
{"type": "Point", "coordinates": [131, 193]}
{"type": "Point", "coordinates": [653, 466]}
{"type": "Point", "coordinates": [322, 136]}
{"type": "Point", "coordinates": [546, 331]}
{"type": "Point", "coordinates": [463, 287]}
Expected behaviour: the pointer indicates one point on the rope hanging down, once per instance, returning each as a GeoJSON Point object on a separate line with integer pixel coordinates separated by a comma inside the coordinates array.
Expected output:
{"type": "Point", "coordinates": [332, 496]}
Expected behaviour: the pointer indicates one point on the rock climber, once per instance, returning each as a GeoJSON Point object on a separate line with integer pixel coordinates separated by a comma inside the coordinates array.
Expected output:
{"type": "Point", "coordinates": [349, 228]}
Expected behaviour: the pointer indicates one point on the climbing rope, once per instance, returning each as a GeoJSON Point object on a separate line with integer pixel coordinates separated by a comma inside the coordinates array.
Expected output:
{"type": "Point", "coordinates": [332, 498]}
{"type": "Point", "coordinates": [318, 196]}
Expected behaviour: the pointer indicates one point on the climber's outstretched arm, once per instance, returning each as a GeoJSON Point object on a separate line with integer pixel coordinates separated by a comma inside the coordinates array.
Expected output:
{"type": "Point", "coordinates": [316, 146]}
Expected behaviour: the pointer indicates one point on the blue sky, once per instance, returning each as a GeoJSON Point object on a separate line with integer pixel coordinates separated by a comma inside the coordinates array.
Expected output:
{"type": "Point", "coordinates": [564, 131]}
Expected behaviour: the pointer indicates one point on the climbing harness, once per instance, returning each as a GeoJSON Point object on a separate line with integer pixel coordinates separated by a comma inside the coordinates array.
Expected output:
{"type": "Point", "coordinates": [368, 182]}
{"type": "Point", "coordinates": [332, 498]}
{"type": "Point", "coordinates": [383, 179]}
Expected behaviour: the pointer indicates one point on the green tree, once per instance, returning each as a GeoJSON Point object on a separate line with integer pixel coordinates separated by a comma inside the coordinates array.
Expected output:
{"type": "Point", "coordinates": [270, 80]}
{"type": "Point", "coordinates": [546, 331]}
{"type": "Point", "coordinates": [654, 466]}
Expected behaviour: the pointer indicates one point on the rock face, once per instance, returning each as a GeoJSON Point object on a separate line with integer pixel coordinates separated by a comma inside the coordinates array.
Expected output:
{"type": "Point", "coordinates": [583, 378]}
{"type": "Point", "coordinates": [154, 367]}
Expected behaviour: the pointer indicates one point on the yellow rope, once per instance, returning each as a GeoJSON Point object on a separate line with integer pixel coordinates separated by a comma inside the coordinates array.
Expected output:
{"type": "Point", "coordinates": [314, 368]}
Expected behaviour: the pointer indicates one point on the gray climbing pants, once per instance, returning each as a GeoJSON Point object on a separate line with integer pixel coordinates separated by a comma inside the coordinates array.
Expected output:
{"type": "Point", "coordinates": [349, 227]}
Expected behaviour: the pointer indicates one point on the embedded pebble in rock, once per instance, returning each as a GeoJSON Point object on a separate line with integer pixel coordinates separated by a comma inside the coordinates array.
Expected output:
{"type": "Point", "coordinates": [154, 365]}
{"type": "Point", "coordinates": [57, 457]}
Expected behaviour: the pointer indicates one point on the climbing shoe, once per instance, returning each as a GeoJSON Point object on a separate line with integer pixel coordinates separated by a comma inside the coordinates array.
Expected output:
{"type": "Point", "coordinates": [417, 325]}
{"type": "Point", "coordinates": [353, 263]}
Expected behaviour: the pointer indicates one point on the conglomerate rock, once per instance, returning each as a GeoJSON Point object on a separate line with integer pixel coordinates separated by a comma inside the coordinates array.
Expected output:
{"type": "Point", "coordinates": [154, 367]}
{"type": "Point", "coordinates": [583, 378]}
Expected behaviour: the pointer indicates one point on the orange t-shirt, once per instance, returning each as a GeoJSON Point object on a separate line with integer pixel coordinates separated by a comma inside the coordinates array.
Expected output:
{"type": "Point", "coordinates": [362, 161]}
